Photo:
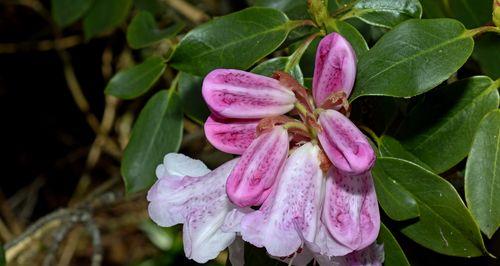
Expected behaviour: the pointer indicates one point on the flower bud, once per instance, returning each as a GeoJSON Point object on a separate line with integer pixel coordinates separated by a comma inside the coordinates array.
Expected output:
{"type": "Point", "coordinates": [251, 180]}
{"type": "Point", "coordinates": [346, 146]}
{"type": "Point", "coordinates": [238, 94]}
{"type": "Point", "coordinates": [230, 136]}
{"type": "Point", "coordinates": [335, 68]}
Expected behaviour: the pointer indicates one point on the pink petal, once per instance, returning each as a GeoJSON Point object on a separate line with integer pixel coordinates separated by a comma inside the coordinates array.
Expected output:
{"type": "Point", "coordinates": [230, 136]}
{"type": "Point", "coordinates": [351, 211]}
{"type": "Point", "coordinates": [251, 180]}
{"type": "Point", "coordinates": [291, 213]}
{"type": "Point", "coordinates": [335, 67]}
{"type": "Point", "coordinates": [201, 204]}
{"type": "Point", "coordinates": [238, 94]}
{"type": "Point", "coordinates": [346, 147]}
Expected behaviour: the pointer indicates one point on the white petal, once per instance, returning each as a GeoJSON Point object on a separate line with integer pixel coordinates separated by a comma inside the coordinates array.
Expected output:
{"type": "Point", "coordinates": [176, 164]}
{"type": "Point", "coordinates": [200, 202]}
{"type": "Point", "coordinates": [292, 210]}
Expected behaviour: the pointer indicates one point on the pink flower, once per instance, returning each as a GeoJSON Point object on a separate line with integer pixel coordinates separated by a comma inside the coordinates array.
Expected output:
{"type": "Point", "coordinates": [318, 201]}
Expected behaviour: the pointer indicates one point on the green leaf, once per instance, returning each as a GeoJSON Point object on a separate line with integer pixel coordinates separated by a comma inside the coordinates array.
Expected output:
{"type": "Point", "coordinates": [394, 199]}
{"type": "Point", "coordinates": [433, 8]}
{"type": "Point", "coordinates": [292, 8]}
{"type": "Point", "coordinates": [143, 31]}
{"type": "Point", "coordinates": [158, 131]}
{"type": "Point", "coordinates": [192, 101]}
{"type": "Point", "coordinates": [65, 12]}
{"type": "Point", "coordinates": [445, 225]}
{"type": "Point", "coordinates": [385, 13]}
{"type": "Point", "coordinates": [393, 254]}
{"type": "Point", "coordinates": [104, 16]}
{"type": "Point", "coordinates": [237, 40]}
{"type": "Point", "coordinates": [267, 68]}
{"type": "Point", "coordinates": [472, 13]}
{"type": "Point", "coordinates": [413, 58]}
{"type": "Point", "coordinates": [349, 32]}
{"type": "Point", "coordinates": [482, 174]}
{"type": "Point", "coordinates": [486, 51]}
{"type": "Point", "coordinates": [443, 139]}
{"type": "Point", "coordinates": [390, 147]}
{"type": "Point", "coordinates": [137, 80]}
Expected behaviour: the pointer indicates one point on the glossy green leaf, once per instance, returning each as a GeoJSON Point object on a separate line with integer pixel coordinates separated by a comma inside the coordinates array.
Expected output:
{"type": "Point", "coordinates": [445, 225]}
{"type": "Point", "coordinates": [433, 8]}
{"type": "Point", "coordinates": [143, 31]}
{"type": "Point", "coordinates": [486, 51]}
{"type": "Point", "coordinates": [158, 131]}
{"type": "Point", "coordinates": [385, 13]}
{"type": "Point", "coordinates": [349, 32]}
{"type": "Point", "coordinates": [472, 13]}
{"type": "Point", "coordinates": [65, 12]}
{"type": "Point", "coordinates": [413, 58]}
{"type": "Point", "coordinates": [154, 7]}
{"type": "Point", "coordinates": [104, 16]}
{"type": "Point", "coordinates": [292, 8]}
{"type": "Point", "coordinates": [192, 101]}
{"type": "Point", "coordinates": [393, 254]}
{"type": "Point", "coordinates": [267, 68]}
{"type": "Point", "coordinates": [443, 139]}
{"type": "Point", "coordinates": [482, 174]}
{"type": "Point", "coordinates": [237, 40]}
{"type": "Point", "coordinates": [390, 147]}
{"type": "Point", "coordinates": [137, 80]}
{"type": "Point", "coordinates": [395, 200]}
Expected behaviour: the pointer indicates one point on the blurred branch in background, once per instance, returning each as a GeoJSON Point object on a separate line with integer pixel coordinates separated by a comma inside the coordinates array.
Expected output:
{"type": "Point", "coordinates": [57, 237]}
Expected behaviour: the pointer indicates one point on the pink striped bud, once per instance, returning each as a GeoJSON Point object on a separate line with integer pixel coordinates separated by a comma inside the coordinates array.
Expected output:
{"type": "Point", "coordinates": [346, 146]}
{"type": "Point", "coordinates": [232, 136]}
{"type": "Point", "coordinates": [251, 180]}
{"type": "Point", "coordinates": [335, 68]}
{"type": "Point", "coordinates": [238, 94]}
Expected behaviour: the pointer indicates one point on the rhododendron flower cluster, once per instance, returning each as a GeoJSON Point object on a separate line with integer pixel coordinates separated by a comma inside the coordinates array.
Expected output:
{"type": "Point", "coordinates": [301, 187]}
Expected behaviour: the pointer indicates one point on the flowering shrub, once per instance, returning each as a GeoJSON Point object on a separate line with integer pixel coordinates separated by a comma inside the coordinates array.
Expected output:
{"type": "Point", "coordinates": [302, 183]}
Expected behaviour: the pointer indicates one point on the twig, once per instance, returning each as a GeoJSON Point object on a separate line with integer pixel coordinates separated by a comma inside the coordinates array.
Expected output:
{"type": "Point", "coordinates": [70, 247]}
{"type": "Point", "coordinates": [95, 234]}
{"type": "Point", "coordinates": [191, 12]}
{"type": "Point", "coordinates": [4, 231]}
{"type": "Point", "coordinates": [44, 45]}
{"type": "Point", "coordinates": [57, 237]}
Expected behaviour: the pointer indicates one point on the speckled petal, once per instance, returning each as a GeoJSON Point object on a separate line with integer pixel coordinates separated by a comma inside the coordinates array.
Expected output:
{"type": "Point", "coordinates": [350, 212]}
{"type": "Point", "coordinates": [201, 204]}
{"type": "Point", "coordinates": [335, 68]}
{"type": "Point", "coordinates": [251, 181]}
{"type": "Point", "coordinates": [344, 144]}
{"type": "Point", "coordinates": [325, 245]}
{"type": "Point", "coordinates": [232, 136]}
{"type": "Point", "coordinates": [239, 94]}
{"type": "Point", "coordinates": [291, 213]}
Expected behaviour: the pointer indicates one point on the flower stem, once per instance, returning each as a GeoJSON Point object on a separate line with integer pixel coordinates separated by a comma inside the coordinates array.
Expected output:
{"type": "Point", "coordinates": [371, 133]}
